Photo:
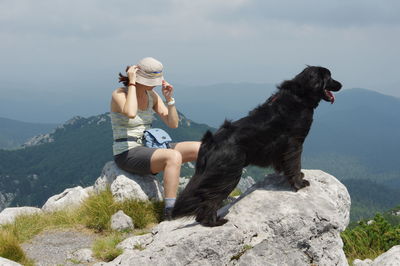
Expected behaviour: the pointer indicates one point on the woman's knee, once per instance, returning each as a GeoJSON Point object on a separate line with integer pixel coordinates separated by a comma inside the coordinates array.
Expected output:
{"type": "Point", "coordinates": [174, 157]}
{"type": "Point", "coordinates": [194, 151]}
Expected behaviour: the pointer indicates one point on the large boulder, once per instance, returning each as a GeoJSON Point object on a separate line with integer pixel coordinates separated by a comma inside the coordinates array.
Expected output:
{"type": "Point", "coordinates": [8, 215]}
{"type": "Point", "coordinates": [389, 258]}
{"type": "Point", "coordinates": [125, 185]}
{"type": "Point", "coordinates": [69, 198]}
{"type": "Point", "coordinates": [6, 262]}
{"type": "Point", "coordinates": [270, 224]}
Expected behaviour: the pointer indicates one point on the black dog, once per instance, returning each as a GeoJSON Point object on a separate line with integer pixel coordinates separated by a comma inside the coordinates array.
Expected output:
{"type": "Point", "coordinates": [271, 135]}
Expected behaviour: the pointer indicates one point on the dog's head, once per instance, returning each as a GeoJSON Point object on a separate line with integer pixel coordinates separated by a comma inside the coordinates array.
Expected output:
{"type": "Point", "coordinates": [315, 83]}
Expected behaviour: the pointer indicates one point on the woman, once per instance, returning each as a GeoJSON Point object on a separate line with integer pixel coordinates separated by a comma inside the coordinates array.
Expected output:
{"type": "Point", "coordinates": [132, 109]}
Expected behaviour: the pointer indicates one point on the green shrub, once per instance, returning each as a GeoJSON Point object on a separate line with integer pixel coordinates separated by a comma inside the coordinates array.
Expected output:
{"type": "Point", "coordinates": [370, 240]}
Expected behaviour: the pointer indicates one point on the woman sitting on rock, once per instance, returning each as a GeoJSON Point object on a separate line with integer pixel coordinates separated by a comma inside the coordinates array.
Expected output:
{"type": "Point", "coordinates": [132, 108]}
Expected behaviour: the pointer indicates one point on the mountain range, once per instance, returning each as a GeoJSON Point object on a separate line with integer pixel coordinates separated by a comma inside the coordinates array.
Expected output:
{"type": "Point", "coordinates": [356, 140]}
{"type": "Point", "coordinates": [14, 133]}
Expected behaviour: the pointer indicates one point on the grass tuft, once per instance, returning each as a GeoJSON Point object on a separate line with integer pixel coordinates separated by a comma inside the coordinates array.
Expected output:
{"type": "Point", "coordinates": [240, 253]}
{"type": "Point", "coordinates": [105, 248]}
{"type": "Point", "coordinates": [98, 210]}
{"type": "Point", "coordinates": [10, 248]}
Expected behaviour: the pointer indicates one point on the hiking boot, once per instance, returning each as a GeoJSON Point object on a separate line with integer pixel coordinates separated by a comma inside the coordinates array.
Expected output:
{"type": "Point", "coordinates": [168, 214]}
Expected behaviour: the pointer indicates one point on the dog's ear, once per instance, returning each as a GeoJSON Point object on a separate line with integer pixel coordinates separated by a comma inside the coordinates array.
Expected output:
{"type": "Point", "coordinates": [292, 86]}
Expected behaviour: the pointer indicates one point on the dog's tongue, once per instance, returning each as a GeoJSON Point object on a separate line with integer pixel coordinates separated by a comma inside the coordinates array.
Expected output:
{"type": "Point", "coordinates": [331, 96]}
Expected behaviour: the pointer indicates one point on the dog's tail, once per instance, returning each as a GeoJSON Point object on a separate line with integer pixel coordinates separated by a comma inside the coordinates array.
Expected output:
{"type": "Point", "coordinates": [189, 199]}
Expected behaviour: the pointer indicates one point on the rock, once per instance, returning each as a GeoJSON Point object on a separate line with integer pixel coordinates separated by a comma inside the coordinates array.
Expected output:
{"type": "Point", "coordinates": [136, 242]}
{"type": "Point", "coordinates": [82, 255]}
{"type": "Point", "coordinates": [89, 190]}
{"type": "Point", "coordinates": [245, 183]}
{"type": "Point", "coordinates": [128, 186]}
{"type": "Point", "coordinates": [365, 262]}
{"type": "Point", "coordinates": [120, 222]}
{"type": "Point", "coordinates": [8, 215]}
{"type": "Point", "coordinates": [6, 262]}
{"type": "Point", "coordinates": [6, 199]}
{"type": "Point", "coordinates": [389, 258]}
{"type": "Point", "coordinates": [183, 181]}
{"type": "Point", "coordinates": [270, 224]}
{"type": "Point", "coordinates": [71, 197]}
{"type": "Point", "coordinates": [56, 247]}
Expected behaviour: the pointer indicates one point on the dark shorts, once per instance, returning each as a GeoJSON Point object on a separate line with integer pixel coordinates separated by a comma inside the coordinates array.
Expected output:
{"type": "Point", "coordinates": [136, 160]}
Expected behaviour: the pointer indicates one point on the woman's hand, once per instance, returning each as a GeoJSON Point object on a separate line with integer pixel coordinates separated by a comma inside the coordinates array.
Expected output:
{"type": "Point", "coordinates": [167, 90]}
{"type": "Point", "coordinates": [132, 73]}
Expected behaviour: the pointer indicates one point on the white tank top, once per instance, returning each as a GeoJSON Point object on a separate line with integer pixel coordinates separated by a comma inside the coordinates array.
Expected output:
{"type": "Point", "coordinates": [124, 127]}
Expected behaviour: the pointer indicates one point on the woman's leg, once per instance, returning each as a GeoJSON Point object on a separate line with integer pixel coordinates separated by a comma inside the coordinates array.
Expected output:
{"type": "Point", "coordinates": [169, 161]}
{"type": "Point", "coordinates": [188, 150]}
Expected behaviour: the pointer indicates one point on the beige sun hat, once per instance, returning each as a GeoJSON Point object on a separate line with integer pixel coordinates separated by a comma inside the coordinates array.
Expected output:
{"type": "Point", "coordinates": [150, 72]}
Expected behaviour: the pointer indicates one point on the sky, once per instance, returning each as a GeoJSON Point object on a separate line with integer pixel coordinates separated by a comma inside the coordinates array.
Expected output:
{"type": "Point", "coordinates": [55, 53]}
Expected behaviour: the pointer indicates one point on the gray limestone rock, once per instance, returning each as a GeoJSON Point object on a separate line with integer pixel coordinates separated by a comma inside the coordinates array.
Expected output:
{"type": "Point", "coordinates": [245, 183]}
{"type": "Point", "coordinates": [389, 258]}
{"type": "Point", "coordinates": [120, 222]}
{"type": "Point", "coordinates": [8, 215]}
{"type": "Point", "coordinates": [136, 242]}
{"type": "Point", "coordinates": [71, 197]}
{"type": "Point", "coordinates": [82, 255]}
{"type": "Point", "coordinates": [6, 262]}
{"type": "Point", "coordinates": [128, 186]}
{"type": "Point", "coordinates": [270, 224]}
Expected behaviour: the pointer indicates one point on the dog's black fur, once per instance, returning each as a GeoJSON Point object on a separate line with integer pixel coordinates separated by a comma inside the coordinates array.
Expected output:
{"type": "Point", "coordinates": [271, 135]}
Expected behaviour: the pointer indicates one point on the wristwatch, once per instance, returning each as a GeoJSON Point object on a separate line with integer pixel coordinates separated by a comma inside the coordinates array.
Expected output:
{"type": "Point", "coordinates": [172, 102]}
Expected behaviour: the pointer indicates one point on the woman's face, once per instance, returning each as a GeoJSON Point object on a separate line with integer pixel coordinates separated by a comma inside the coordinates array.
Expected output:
{"type": "Point", "coordinates": [149, 88]}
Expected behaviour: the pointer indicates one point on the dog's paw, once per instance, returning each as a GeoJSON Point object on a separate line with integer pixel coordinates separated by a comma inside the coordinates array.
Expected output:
{"type": "Point", "coordinates": [301, 184]}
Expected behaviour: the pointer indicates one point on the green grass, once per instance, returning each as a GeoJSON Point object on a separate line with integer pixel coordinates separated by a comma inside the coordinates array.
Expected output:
{"type": "Point", "coordinates": [240, 253]}
{"type": "Point", "coordinates": [97, 211]}
{"type": "Point", "coordinates": [370, 240]}
{"type": "Point", "coordinates": [236, 192]}
{"type": "Point", "coordinates": [104, 248]}
{"type": "Point", "coordinates": [94, 214]}
{"type": "Point", "coordinates": [10, 248]}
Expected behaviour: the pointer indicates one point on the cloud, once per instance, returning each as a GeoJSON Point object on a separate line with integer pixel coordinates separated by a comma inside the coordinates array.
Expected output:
{"type": "Point", "coordinates": [200, 41]}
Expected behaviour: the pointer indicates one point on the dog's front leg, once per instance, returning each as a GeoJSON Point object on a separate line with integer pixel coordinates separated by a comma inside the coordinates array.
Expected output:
{"type": "Point", "coordinates": [292, 165]}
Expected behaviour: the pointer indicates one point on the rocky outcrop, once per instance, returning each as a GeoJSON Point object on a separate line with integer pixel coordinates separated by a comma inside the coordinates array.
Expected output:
{"type": "Point", "coordinates": [6, 262]}
{"type": "Point", "coordinates": [6, 199]}
{"type": "Point", "coordinates": [39, 140]}
{"type": "Point", "coordinates": [125, 185]}
{"type": "Point", "coordinates": [389, 258]}
{"type": "Point", "coordinates": [8, 215]}
{"type": "Point", "coordinates": [69, 198]}
{"type": "Point", "coordinates": [245, 183]}
{"type": "Point", "coordinates": [270, 224]}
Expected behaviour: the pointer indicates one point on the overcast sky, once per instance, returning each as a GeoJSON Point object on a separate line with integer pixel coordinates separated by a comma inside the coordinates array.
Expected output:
{"type": "Point", "coordinates": [62, 49]}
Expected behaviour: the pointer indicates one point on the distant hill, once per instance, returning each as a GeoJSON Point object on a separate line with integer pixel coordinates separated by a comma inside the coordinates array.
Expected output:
{"type": "Point", "coordinates": [76, 155]}
{"type": "Point", "coordinates": [212, 104]}
{"type": "Point", "coordinates": [14, 133]}
{"type": "Point", "coordinates": [357, 138]}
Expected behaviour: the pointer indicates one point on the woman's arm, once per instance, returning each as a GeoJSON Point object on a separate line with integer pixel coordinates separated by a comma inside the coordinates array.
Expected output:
{"type": "Point", "coordinates": [168, 113]}
{"type": "Point", "coordinates": [127, 103]}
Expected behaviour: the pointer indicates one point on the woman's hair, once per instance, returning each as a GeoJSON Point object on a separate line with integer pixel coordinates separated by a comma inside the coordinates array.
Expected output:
{"type": "Point", "coordinates": [124, 79]}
